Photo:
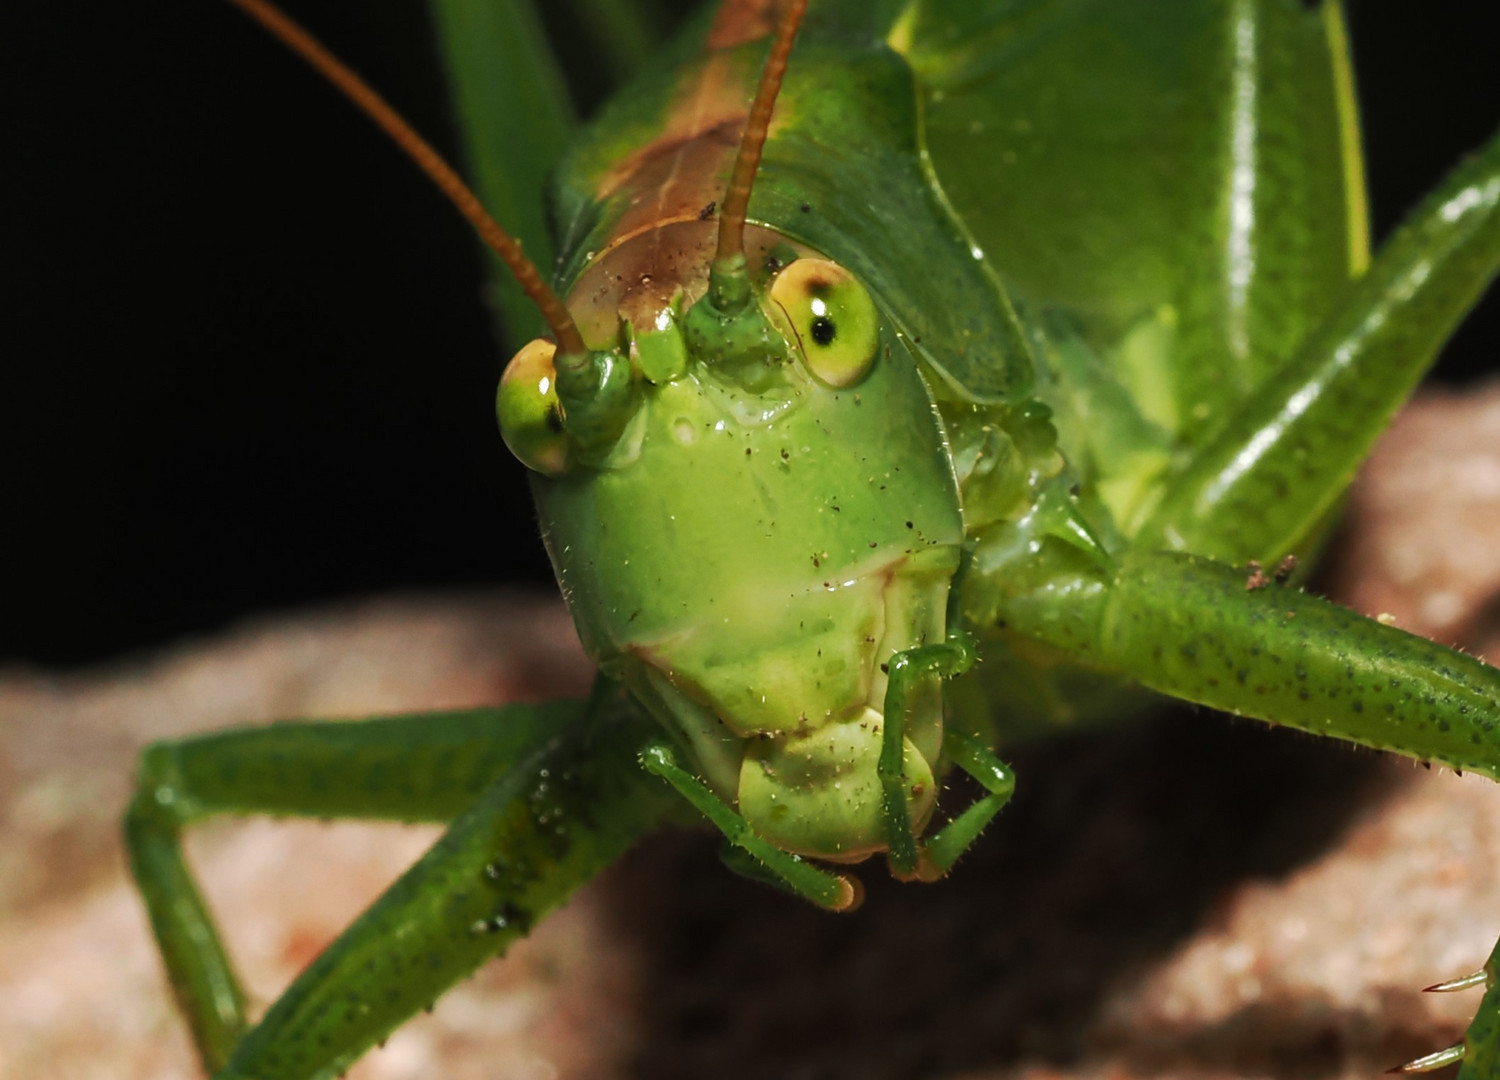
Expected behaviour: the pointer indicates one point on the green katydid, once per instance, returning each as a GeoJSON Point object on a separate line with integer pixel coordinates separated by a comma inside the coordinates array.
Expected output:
{"type": "Point", "coordinates": [934, 401]}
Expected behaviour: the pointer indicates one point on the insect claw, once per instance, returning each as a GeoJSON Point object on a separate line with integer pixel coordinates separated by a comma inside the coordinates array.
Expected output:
{"type": "Point", "coordinates": [1431, 1062]}
{"type": "Point", "coordinates": [851, 894]}
{"type": "Point", "coordinates": [1476, 979]}
{"type": "Point", "coordinates": [927, 870]}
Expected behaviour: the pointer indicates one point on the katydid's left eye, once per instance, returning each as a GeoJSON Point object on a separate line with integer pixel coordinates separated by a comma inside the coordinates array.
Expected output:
{"type": "Point", "coordinates": [530, 416]}
{"type": "Point", "coordinates": [833, 317]}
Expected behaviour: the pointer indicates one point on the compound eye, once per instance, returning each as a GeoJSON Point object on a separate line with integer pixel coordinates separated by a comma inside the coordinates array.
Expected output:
{"type": "Point", "coordinates": [834, 319]}
{"type": "Point", "coordinates": [531, 421]}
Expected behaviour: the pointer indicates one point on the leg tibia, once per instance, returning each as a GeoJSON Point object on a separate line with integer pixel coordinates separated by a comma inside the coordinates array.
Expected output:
{"type": "Point", "coordinates": [425, 767]}
{"type": "Point", "coordinates": [945, 846]}
{"type": "Point", "coordinates": [543, 798]}
{"type": "Point", "coordinates": [1279, 464]}
{"type": "Point", "coordinates": [1193, 629]}
{"type": "Point", "coordinates": [945, 660]}
{"type": "Point", "coordinates": [417, 767]}
{"type": "Point", "coordinates": [543, 828]}
{"type": "Point", "coordinates": [203, 981]}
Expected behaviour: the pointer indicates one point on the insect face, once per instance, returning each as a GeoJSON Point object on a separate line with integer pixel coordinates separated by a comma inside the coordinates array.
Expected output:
{"type": "Point", "coordinates": [759, 646]}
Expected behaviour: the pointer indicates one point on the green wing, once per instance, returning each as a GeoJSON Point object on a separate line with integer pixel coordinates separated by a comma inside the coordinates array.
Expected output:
{"type": "Point", "coordinates": [1182, 179]}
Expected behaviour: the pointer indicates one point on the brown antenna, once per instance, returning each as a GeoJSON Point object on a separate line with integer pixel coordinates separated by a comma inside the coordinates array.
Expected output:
{"type": "Point", "coordinates": [276, 22]}
{"type": "Point", "coordinates": [737, 195]}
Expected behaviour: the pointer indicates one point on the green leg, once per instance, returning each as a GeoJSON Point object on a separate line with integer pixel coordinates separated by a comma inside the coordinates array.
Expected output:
{"type": "Point", "coordinates": [1276, 467]}
{"type": "Point", "coordinates": [541, 798]}
{"type": "Point", "coordinates": [952, 657]}
{"type": "Point", "coordinates": [835, 892]}
{"type": "Point", "coordinates": [946, 845]}
{"type": "Point", "coordinates": [1190, 628]}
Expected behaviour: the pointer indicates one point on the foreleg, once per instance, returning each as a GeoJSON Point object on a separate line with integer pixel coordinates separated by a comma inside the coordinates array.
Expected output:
{"type": "Point", "coordinates": [541, 798]}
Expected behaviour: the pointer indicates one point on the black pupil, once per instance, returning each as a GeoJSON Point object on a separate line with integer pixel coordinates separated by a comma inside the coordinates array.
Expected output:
{"type": "Point", "coordinates": [823, 330]}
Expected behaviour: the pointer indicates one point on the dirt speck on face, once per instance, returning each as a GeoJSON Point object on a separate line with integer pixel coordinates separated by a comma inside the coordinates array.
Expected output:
{"type": "Point", "coordinates": [1189, 897]}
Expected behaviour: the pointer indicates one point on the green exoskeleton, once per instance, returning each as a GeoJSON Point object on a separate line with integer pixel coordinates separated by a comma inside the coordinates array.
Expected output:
{"type": "Point", "coordinates": [1046, 326]}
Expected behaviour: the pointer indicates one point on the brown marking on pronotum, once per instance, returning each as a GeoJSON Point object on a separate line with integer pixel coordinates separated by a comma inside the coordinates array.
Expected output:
{"type": "Point", "coordinates": [658, 194]}
{"type": "Point", "coordinates": [674, 181]}
{"type": "Point", "coordinates": [702, 132]}
{"type": "Point", "coordinates": [667, 182]}
{"type": "Point", "coordinates": [708, 102]}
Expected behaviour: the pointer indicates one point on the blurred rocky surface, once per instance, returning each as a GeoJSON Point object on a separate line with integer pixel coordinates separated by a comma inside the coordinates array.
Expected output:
{"type": "Point", "coordinates": [1190, 897]}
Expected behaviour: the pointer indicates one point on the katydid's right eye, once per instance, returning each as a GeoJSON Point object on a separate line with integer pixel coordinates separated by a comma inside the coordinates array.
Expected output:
{"type": "Point", "coordinates": [531, 421]}
{"type": "Point", "coordinates": [833, 316]}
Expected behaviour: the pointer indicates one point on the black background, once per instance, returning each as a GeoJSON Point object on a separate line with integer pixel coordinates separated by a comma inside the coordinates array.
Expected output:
{"type": "Point", "coordinates": [244, 361]}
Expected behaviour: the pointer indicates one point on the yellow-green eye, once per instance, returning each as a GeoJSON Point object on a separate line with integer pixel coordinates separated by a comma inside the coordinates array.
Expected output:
{"type": "Point", "coordinates": [531, 421]}
{"type": "Point", "coordinates": [833, 317]}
